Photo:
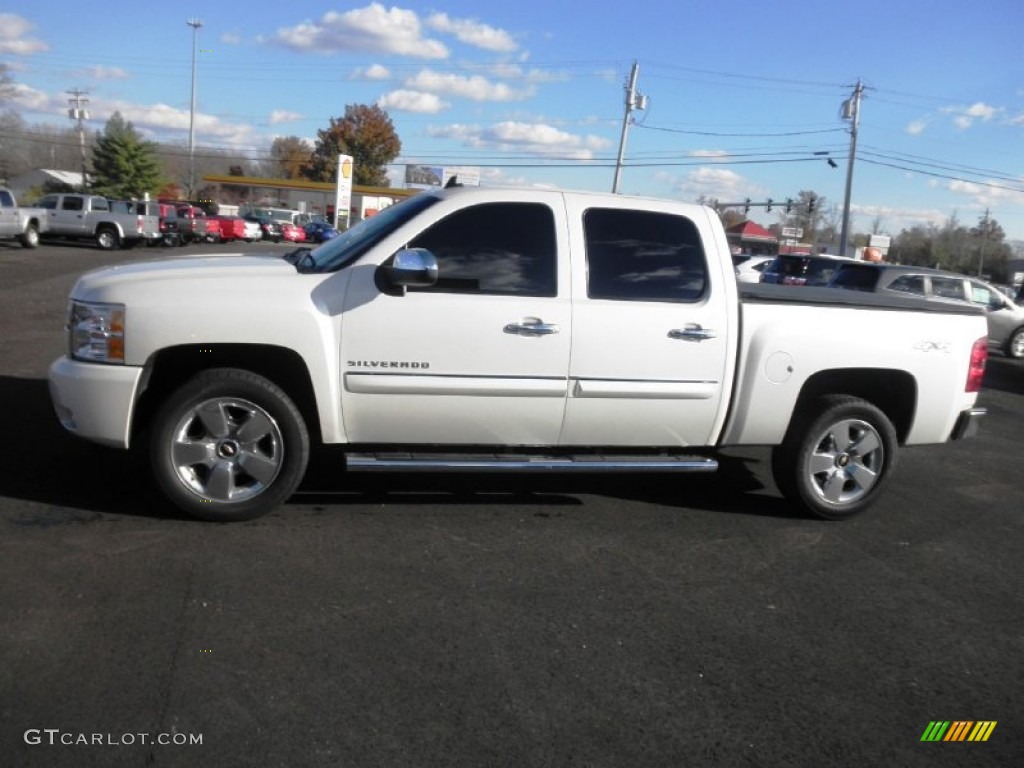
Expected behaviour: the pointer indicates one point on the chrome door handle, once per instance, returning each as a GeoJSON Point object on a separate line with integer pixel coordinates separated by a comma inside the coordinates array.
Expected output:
{"type": "Point", "coordinates": [531, 326]}
{"type": "Point", "coordinates": [692, 332]}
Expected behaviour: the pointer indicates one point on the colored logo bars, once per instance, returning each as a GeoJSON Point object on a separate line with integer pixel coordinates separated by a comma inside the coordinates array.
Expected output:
{"type": "Point", "coordinates": [958, 730]}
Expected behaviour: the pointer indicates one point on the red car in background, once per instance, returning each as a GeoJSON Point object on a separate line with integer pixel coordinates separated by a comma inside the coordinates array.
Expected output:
{"type": "Point", "coordinates": [231, 227]}
{"type": "Point", "coordinates": [292, 233]}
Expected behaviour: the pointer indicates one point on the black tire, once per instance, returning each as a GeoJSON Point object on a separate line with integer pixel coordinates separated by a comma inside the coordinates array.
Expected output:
{"type": "Point", "coordinates": [1015, 344]}
{"type": "Point", "coordinates": [229, 445]}
{"type": "Point", "coordinates": [837, 457]}
{"type": "Point", "coordinates": [107, 239]}
{"type": "Point", "coordinates": [30, 237]}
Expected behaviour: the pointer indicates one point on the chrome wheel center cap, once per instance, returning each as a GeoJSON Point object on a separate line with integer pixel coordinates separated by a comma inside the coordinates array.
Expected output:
{"type": "Point", "coordinates": [228, 449]}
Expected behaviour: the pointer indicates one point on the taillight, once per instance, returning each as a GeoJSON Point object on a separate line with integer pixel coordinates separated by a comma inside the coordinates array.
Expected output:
{"type": "Point", "coordinates": [976, 371]}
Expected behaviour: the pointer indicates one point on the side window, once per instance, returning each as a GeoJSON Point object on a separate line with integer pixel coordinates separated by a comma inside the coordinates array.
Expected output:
{"type": "Point", "coordinates": [494, 248]}
{"type": "Point", "coordinates": [985, 296]}
{"type": "Point", "coordinates": [908, 284]}
{"type": "Point", "coordinates": [643, 256]}
{"type": "Point", "coordinates": [948, 288]}
{"type": "Point", "coordinates": [100, 204]}
{"type": "Point", "coordinates": [6, 199]}
{"type": "Point", "coordinates": [71, 204]}
{"type": "Point", "coordinates": [49, 202]}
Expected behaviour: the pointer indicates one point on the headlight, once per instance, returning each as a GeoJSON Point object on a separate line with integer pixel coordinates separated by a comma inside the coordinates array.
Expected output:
{"type": "Point", "coordinates": [96, 332]}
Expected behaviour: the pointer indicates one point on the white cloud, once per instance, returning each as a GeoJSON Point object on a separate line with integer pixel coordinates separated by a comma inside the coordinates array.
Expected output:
{"type": "Point", "coordinates": [709, 153]}
{"type": "Point", "coordinates": [717, 183]}
{"type": "Point", "coordinates": [476, 88]}
{"type": "Point", "coordinates": [530, 138]}
{"type": "Point", "coordinates": [14, 37]}
{"type": "Point", "coordinates": [964, 117]}
{"type": "Point", "coordinates": [917, 127]}
{"type": "Point", "coordinates": [412, 101]}
{"type": "Point", "coordinates": [37, 101]}
{"type": "Point", "coordinates": [987, 197]}
{"type": "Point", "coordinates": [373, 72]}
{"type": "Point", "coordinates": [284, 116]}
{"type": "Point", "coordinates": [373, 29]}
{"type": "Point", "coordinates": [102, 73]}
{"type": "Point", "coordinates": [473, 33]}
{"type": "Point", "coordinates": [231, 38]}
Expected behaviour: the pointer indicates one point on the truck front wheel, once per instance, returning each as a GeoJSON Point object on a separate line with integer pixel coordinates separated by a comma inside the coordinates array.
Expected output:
{"type": "Point", "coordinates": [107, 239]}
{"type": "Point", "coordinates": [30, 237]}
{"type": "Point", "coordinates": [229, 445]}
{"type": "Point", "coordinates": [837, 457]}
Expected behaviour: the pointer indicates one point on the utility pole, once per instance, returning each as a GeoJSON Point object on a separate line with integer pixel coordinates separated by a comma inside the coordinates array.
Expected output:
{"type": "Point", "coordinates": [984, 240]}
{"type": "Point", "coordinates": [79, 113]}
{"type": "Point", "coordinates": [634, 100]}
{"type": "Point", "coordinates": [195, 24]}
{"type": "Point", "coordinates": [851, 112]}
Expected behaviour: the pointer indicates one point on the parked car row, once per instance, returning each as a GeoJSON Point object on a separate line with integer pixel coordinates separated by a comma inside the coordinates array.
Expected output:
{"type": "Point", "coordinates": [1005, 316]}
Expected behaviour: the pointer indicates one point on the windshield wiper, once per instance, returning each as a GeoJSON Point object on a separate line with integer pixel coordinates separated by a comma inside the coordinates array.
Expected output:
{"type": "Point", "coordinates": [298, 257]}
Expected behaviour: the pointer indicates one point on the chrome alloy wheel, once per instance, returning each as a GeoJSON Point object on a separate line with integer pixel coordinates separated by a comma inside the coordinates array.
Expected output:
{"type": "Point", "coordinates": [846, 462]}
{"type": "Point", "coordinates": [227, 449]}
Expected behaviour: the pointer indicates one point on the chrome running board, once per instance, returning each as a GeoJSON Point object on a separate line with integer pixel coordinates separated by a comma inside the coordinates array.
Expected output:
{"type": "Point", "coordinates": [443, 462]}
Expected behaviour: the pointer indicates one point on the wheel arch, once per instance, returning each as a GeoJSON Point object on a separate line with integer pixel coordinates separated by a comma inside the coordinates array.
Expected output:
{"type": "Point", "coordinates": [169, 368]}
{"type": "Point", "coordinates": [894, 392]}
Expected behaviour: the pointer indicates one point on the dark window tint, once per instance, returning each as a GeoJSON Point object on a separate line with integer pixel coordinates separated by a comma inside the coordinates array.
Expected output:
{"type": "Point", "coordinates": [6, 199]}
{"type": "Point", "coordinates": [71, 204]}
{"type": "Point", "coordinates": [49, 202]}
{"type": "Point", "coordinates": [908, 284]}
{"type": "Point", "coordinates": [857, 278]}
{"type": "Point", "coordinates": [643, 256]}
{"type": "Point", "coordinates": [948, 288]}
{"type": "Point", "coordinates": [494, 248]}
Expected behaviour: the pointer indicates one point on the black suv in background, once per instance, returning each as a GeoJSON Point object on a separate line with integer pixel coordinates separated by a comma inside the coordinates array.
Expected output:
{"type": "Point", "coordinates": [796, 269]}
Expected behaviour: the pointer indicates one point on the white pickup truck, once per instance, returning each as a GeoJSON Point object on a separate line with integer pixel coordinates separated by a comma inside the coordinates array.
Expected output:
{"type": "Point", "coordinates": [507, 330]}
{"type": "Point", "coordinates": [21, 224]}
{"type": "Point", "coordinates": [108, 223]}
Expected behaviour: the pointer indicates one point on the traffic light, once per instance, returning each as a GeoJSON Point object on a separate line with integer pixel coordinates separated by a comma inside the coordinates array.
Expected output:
{"type": "Point", "coordinates": [768, 208]}
{"type": "Point", "coordinates": [789, 204]}
{"type": "Point", "coordinates": [810, 204]}
{"type": "Point", "coordinates": [746, 205]}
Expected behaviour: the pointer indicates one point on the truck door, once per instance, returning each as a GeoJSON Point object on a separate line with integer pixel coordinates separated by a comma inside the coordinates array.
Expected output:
{"type": "Point", "coordinates": [8, 214]}
{"type": "Point", "coordinates": [68, 218]}
{"type": "Point", "coordinates": [651, 328]}
{"type": "Point", "coordinates": [482, 356]}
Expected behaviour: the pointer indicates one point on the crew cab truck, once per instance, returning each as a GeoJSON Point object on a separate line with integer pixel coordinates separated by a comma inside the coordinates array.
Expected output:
{"type": "Point", "coordinates": [21, 224]}
{"type": "Point", "coordinates": [109, 223]}
{"type": "Point", "coordinates": [507, 330]}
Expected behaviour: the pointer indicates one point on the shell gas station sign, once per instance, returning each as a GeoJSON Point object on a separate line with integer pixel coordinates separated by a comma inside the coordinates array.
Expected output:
{"type": "Point", "coordinates": [343, 197]}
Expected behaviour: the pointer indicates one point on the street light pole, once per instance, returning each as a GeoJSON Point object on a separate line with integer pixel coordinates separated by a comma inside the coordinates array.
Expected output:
{"type": "Point", "coordinates": [195, 24]}
{"type": "Point", "coordinates": [634, 100]}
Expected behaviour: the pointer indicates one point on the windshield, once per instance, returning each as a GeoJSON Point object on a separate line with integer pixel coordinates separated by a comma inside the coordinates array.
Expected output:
{"type": "Point", "coordinates": [353, 243]}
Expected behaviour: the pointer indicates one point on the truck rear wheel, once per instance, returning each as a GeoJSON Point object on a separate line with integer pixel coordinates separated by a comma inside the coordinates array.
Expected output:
{"type": "Point", "coordinates": [837, 457]}
{"type": "Point", "coordinates": [30, 237]}
{"type": "Point", "coordinates": [229, 445]}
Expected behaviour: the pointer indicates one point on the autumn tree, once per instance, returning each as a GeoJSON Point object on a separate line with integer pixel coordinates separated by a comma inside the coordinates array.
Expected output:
{"type": "Point", "coordinates": [123, 164]}
{"type": "Point", "coordinates": [367, 134]}
{"type": "Point", "coordinates": [289, 157]}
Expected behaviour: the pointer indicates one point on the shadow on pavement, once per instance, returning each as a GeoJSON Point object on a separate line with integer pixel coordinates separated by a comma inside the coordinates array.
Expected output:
{"type": "Point", "coordinates": [79, 481]}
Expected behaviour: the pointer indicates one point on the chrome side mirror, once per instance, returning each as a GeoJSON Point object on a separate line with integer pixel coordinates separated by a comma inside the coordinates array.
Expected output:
{"type": "Point", "coordinates": [409, 268]}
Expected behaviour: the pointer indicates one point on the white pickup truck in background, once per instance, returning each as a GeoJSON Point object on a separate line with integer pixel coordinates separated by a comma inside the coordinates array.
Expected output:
{"type": "Point", "coordinates": [19, 223]}
{"type": "Point", "coordinates": [108, 223]}
{"type": "Point", "coordinates": [507, 330]}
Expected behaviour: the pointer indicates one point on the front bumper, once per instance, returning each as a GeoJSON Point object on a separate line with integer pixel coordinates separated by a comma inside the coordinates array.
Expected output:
{"type": "Point", "coordinates": [968, 422]}
{"type": "Point", "coordinates": [95, 401]}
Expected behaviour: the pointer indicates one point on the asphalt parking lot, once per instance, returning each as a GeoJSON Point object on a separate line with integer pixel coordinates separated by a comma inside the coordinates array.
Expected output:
{"type": "Point", "coordinates": [481, 621]}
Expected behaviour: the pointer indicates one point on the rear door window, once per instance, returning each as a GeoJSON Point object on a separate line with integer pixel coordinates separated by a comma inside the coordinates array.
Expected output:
{"type": "Point", "coordinates": [643, 256]}
{"type": "Point", "coordinates": [948, 288]}
{"type": "Point", "coordinates": [913, 284]}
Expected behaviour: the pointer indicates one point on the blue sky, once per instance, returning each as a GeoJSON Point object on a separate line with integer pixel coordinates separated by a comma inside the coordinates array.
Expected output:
{"type": "Point", "coordinates": [740, 95]}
